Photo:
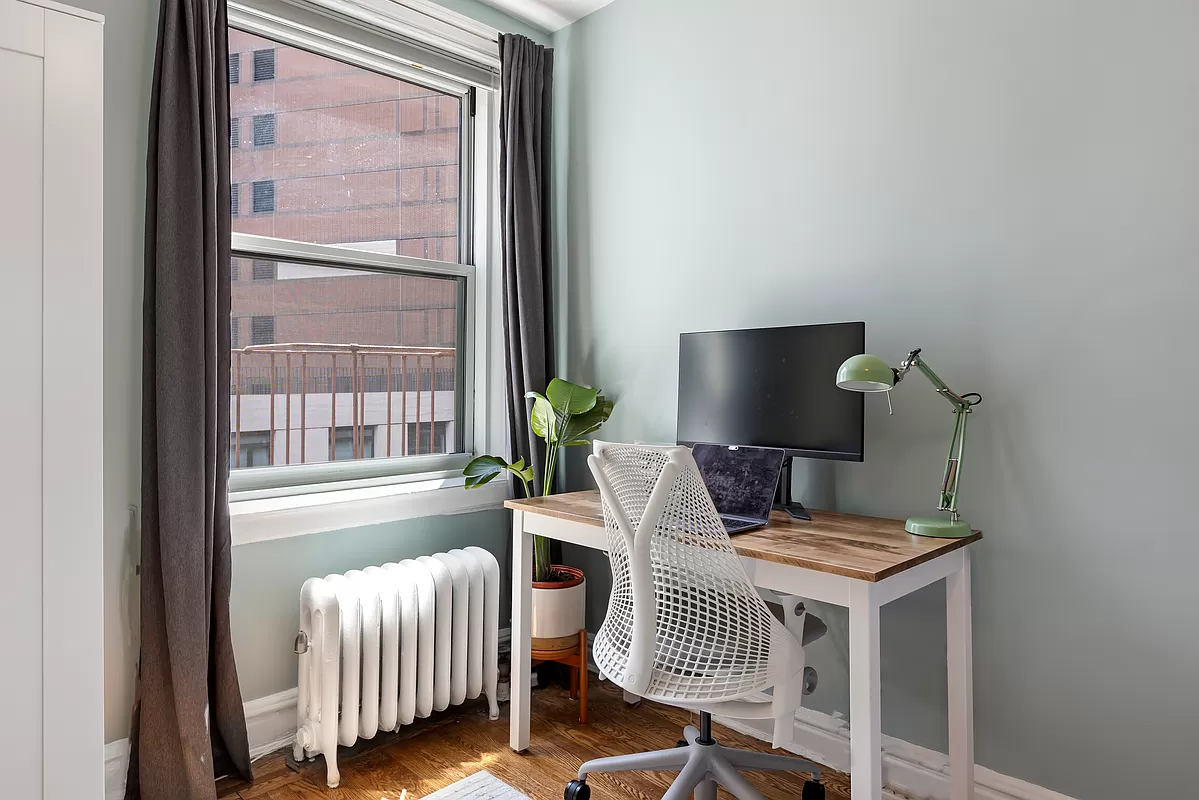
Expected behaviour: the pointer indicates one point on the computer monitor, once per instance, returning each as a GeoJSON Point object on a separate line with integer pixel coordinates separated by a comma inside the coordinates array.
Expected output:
{"type": "Point", "coordinates": [772, 387]}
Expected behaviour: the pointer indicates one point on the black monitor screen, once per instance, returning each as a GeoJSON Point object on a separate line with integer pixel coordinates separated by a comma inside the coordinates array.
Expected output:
{"type": "Point", "coordinates": [772, 387]}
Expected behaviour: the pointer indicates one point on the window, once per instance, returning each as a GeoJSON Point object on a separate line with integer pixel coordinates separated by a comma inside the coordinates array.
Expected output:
{"type": "Point", "coordinates": [263, 270]}
{"type": "Point", "coordinates": [360, 272]}
{"type": "Point", "coordinates": [235, 269]}
{"type": "Point", "coordinates": [419, 433]}
{"type": "Point", "coordinates": [262, 330]}
{"type": "Point", "coordinates": [234, 339]}
{"type": "Point", "coordinates": [264, 196]}
{"type": "Point", "coordinates": [234, 69]}
{"type": "Point", "coordinates": [351, 444]}
{"type": "Point", "coordinates": [234, 199]}
{"type": "Point", "coordinates": [264, 130]}
{"type": "Point", "coordinates": [264, 65]}
{"type": "Point", "coordinates": [235, 132]}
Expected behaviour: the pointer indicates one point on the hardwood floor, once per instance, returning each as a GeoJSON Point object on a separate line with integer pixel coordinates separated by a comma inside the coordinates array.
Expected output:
{"type": "Point", "coordinates": [458, 743]}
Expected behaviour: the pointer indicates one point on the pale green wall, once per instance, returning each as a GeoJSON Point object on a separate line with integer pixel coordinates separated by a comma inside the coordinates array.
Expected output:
{"type": "Point", "coordinates": [1014, 187]}
{"type": "Point", "coordinates": [267, 576]}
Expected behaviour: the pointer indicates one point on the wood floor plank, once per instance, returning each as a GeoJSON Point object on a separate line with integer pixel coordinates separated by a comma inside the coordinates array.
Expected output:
{"type": "Point", "coordinates": [455, 744]}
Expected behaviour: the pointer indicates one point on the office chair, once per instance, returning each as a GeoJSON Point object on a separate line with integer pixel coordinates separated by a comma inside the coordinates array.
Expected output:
{"type": "Point", "coordinates": [687, 628]}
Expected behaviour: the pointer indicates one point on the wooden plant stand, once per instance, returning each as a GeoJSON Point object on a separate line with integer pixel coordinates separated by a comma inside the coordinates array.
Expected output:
{"type": "Point", "coordinates": [571, 651]}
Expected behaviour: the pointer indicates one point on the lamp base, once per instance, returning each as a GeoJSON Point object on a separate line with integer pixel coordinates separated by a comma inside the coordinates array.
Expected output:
{"type": "Point", "coordinates": [938, 527]}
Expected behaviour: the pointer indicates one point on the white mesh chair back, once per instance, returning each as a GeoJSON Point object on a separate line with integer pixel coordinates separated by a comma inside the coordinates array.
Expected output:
{"type": "Point", "coordinates": [685, 623]}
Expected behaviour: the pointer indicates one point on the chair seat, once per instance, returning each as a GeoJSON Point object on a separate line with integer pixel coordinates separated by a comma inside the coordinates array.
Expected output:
{"type": "Point", "coordinates": [707, 669]}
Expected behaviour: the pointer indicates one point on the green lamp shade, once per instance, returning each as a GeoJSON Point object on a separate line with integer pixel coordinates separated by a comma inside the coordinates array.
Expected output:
{"type": "Point", "coordinates": [866, 373]}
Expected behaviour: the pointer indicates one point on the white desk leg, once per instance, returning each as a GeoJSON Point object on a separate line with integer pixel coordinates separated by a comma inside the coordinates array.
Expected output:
{"type": "Point", "coordinates": [522, 618]}
{"type": "Point", "coordinates": [961, 681]}
{"type": "Point", "coordinates": [865, 709]}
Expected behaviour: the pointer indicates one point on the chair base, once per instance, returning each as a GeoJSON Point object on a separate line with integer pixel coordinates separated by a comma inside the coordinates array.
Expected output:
{"type": "Point", "coordinates": [703, 765]}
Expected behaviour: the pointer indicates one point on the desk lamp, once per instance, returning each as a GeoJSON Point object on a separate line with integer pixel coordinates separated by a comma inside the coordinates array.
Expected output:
{"type": "Point", "coordinates": [867, 373]}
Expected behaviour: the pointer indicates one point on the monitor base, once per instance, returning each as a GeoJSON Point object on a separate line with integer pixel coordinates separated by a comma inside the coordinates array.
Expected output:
{"type": "Point", "coordinates": [796, 510]}
{"type": "Point", "coordinates": [782, 495]}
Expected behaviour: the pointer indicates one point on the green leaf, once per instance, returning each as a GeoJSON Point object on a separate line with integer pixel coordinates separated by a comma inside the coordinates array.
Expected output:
{"type": "Point", "coordinates": [542, 418]}
{"type": "Point", "coordinates": [474, 482]}
{"type": "Point", "coordinates": [486, 465]}
{"type": "Point", "coordinates": [570, 398]}
{"type": "Point", "coordinates": [484, 469]}
{"type": "Point", "coordinates": [589, 422]}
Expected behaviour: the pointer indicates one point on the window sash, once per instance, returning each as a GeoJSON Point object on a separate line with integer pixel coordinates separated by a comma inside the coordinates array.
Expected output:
{"type": "Point", "coordinates": [381, 52]}
{"type": "Point", "coordinates": [256, 482]}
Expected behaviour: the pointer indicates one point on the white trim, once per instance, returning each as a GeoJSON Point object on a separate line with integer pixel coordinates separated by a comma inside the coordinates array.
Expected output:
{"type": "Point", "coordinates": [72, 456]}
{"type": "Point", "coordinates": [536, 13]}
{"type": "Point", "coordinates": [270, 726]}
{"type": "Point", "coordinates": [116, 767]}
{"type": "Point", "coordinates": [299, 515]}
{"type": "Point", "coordinates": [426, 22]}
{"type": "Point", "coordinates": [908, 769]}
{"type": "Point", "coordinates": [271, 723]}
{"type": "Point", "coordinates": [50, 5]}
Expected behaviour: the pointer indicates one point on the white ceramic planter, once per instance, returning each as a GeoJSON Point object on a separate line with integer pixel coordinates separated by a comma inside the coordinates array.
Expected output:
{"type": "Point", "coordinates": [561, 612]}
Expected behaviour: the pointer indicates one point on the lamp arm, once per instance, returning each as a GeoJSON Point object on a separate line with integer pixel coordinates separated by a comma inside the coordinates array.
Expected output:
{"type": "Point", "coordinates": [962, 405]}
{"type": "Point", "coordinates": [914, 360]}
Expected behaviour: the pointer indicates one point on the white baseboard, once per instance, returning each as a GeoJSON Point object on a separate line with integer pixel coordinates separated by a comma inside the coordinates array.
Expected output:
{"type": "Point", "coordinates": [270, 725]}
{"type": "Point", "coordinates": [909, 771]}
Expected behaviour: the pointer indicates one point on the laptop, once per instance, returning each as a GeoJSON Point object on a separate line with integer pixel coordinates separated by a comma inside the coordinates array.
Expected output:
{"type": "Point", "coordinates": [742, 481]}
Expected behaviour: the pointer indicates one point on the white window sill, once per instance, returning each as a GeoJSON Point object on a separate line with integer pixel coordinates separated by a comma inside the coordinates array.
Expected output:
{"type": "Point", "coordinates": [272, 518]}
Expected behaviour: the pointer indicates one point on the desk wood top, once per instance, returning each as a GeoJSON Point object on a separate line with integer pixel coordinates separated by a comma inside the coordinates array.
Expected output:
{"type": "Point", "coordinates": [864, 548]}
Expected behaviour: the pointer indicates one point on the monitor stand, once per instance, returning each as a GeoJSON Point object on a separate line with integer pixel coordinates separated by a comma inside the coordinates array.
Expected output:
{"type": "Point", "coordinates": [782, 495]}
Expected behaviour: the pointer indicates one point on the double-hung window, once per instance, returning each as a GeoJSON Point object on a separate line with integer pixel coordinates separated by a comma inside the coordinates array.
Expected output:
{"type": "Point", "coordinates": [356, 363]}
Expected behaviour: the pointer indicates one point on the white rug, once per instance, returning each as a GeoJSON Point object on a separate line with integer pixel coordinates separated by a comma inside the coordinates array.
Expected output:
{"type": "Point", "coordinates": [480, 786]}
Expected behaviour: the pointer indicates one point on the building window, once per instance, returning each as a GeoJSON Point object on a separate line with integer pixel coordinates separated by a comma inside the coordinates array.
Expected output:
{"type": "Point", "coordinates": [264, 65]}
{"type": "Point", "coordinates": [347, 447]}
{"type": "Point", "coordinates": [262, 270]}
{"type": "Point", "coordinates": [235, 132]}
{"type": "Point", "coordinates": [419, 441]}
{"type": "Point", "coordinates": [234, 199]}
{"type": "Point", "coordinates": [234, 339]}
{"type": "Point", "coordinates": [234, 69]}
{"type": "Point", "coordinates": [364, 305]}
{"type": "Point", "coordinates": [234, 269]}
{"type": "Point", "coordinates": [253, 450]}
{"type": "Point", "coordinates": [264, 130]}
{"type": "Point", "coordinates": [262, 330]}
{"type": "Point", "coordinates": [264, 196]}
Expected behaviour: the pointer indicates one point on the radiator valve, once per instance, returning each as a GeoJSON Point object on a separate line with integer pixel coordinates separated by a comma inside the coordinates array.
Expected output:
{"type": "Point", "coordinates": [301, 643]}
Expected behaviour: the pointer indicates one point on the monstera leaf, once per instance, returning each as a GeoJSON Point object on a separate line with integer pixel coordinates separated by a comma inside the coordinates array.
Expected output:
{"type": "Point", "coordinates": [484, 469]}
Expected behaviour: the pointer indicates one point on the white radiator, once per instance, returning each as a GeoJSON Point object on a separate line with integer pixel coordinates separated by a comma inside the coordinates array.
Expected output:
{"type": "Point", "coordinates": [389, 644]}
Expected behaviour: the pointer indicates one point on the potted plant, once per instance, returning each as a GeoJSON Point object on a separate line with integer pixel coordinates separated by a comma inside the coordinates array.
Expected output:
{"type": "Point", "coordinates": [563, 417]}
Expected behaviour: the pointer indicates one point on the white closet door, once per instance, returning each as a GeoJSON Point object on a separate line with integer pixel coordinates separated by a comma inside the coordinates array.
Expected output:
{"type": "Point", "coordinates": [51, 623]}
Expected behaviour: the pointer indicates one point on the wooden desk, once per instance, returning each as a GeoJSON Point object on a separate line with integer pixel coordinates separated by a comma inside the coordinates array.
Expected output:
{"type": "Point", "coordinates": [860, 563]}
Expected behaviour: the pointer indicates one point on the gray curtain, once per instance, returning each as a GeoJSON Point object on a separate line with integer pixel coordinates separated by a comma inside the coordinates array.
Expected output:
{"type": "Point", "coordinates": [186, 662]}
{"type": "Point", "coordinates": [526, 90]}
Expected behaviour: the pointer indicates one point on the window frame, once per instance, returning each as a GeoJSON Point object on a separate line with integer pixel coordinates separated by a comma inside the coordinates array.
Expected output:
{"type": "Point", "coordinates": [479, 401]}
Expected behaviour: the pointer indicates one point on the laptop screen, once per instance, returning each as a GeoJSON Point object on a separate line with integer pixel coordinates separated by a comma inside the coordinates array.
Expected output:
{"type": "Point", "coordinates": [741, 480]}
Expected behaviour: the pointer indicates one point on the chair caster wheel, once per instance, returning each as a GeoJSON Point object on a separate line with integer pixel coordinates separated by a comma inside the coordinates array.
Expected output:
{"type": "Point", "coordinates": [682, 743]}
{"type": "Point", "coordinates": [813, 790]}
{"type": "Point", "coordinates": [578, 790]}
